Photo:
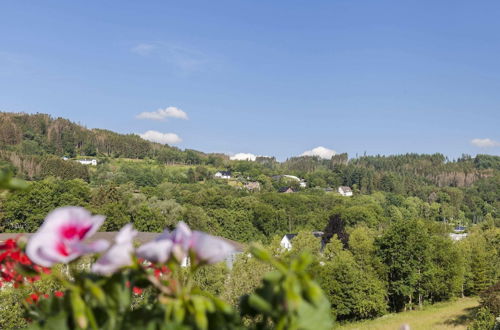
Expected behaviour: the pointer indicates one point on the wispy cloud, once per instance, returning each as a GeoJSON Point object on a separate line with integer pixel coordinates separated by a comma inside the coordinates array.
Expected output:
{"type": "Point", "coordinates": [321, 152]}
{"type": "Point", "coordinates": [485, 143]}
{"type": "Point", "coordinates": [243, 156]}
{"type": "Point", "coordinates": [162, 114]}
{"type": "Point", "coordinates": [163, 138]}
{"type": "Point", "coordinates": [143, 49]}
{"type": "Point", "coordinates": [182, 58]}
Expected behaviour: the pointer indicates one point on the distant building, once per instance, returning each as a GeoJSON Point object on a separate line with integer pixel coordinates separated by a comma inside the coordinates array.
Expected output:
{"type": "Point", "coordinates": [328, 189]}
{"type": "Point", "coordinates": [286, 241]}
{"type": "Point", "coordinates": [92, 162]}
{"type": "Point", "coordinates": [286, 190]}
{"type": "Point", "coordinates": [458, 233]}
{"type": "Point", "coordinates": [253, 186]}
{"type": "Point", "coordinates": [223, 175]}
{"type": "Point", "coordinates": [458, 237]}
{"type": "Point", "coordinates": [345, 191]}
{"type": "Point", "coordinates": [302, 182]}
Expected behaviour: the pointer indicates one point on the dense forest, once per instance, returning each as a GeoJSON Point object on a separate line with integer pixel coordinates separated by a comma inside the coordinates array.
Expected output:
{"type": "Point", "coordinates": [386, 248]}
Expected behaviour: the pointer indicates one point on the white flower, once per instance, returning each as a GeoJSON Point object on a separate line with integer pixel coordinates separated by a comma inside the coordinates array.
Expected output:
{"type": "Point", "coordinates": [119, 255]}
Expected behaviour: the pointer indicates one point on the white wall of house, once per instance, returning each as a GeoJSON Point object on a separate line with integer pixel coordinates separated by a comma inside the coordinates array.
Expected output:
{"type": "Point", "coordinates": [458, 237]}
{"type": "Point", "coordinates": [285, 243]}
{"type": "Point", "coordinates": [219, 175]}
{"type": "Point", "coordinates": [344, 193]}
{"type": "Point", "coordinates": [92, 162]}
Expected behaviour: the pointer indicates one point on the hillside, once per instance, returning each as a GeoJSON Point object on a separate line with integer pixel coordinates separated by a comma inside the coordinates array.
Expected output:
{"type": "Point", "coordinates": [387, 247]}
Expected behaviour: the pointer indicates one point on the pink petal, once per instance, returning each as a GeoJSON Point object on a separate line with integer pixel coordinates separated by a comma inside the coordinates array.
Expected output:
{"type": "Point", "coordinates": [115, 258]}
{"type": "Point", "coordinates": [210, 249]}
{"type": "Point", "coordinates": [155, 251]}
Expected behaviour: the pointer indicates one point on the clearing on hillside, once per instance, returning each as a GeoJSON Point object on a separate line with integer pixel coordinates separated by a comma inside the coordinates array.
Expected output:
{"type": "Point", "coordinates": [449, 315]}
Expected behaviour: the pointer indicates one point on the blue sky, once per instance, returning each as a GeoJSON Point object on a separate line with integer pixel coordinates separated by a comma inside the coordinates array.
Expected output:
{"type": "Point", "coordinates": [263, 77]}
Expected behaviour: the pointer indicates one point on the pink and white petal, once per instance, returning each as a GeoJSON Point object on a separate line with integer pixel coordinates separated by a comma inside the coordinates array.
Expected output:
{"type": "Point", "coordinates": [210, 249]}
{"type": "Point", "coordinates": [71, 222]}
{"type": "Point", "coordinates": [126, 234]}
{"type": "Point", "coordinates": [35, 250]}
{"type": "Point", "coordinates": [157, 251]}
{"type": "Point", "coordinates": [81, 248]}
{"type": "Point", "coordinates": [182, 235]}
{"type": "Point", "coordinates": [117, 257]}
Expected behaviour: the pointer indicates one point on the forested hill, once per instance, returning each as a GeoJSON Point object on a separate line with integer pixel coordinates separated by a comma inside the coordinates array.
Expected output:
{"type": "Point", "coordinates": [40, 134]}
{"type": "Point", "coordinates": [33, 145]}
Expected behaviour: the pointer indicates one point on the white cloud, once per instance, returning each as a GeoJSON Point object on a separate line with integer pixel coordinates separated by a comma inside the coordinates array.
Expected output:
{"type": "Point", "coordinates": [143, 49]}
{"type": "Point", "coordinates": [485, 143]}
{"type": "Point", "coordinates": [243, 156]}
{"type": "Point", "coordinates": [321, 152]}
{"type": "Point", "coordinates": [163, 138]}
{"type": "Point", "coordinates": [161, 114]}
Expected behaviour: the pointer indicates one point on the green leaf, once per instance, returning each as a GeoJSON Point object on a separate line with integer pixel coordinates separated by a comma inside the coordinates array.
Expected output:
{"type": "Point", "coordinates": [259, 303]}
{"type": "Point", "coordinates": [78, 307]}
{"type": "Point", "coordinates": [96, 291]}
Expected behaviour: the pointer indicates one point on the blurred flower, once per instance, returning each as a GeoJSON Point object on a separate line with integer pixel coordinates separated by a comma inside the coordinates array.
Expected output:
{"type": "Point", "coordinates": [206, 248]}
{"type": "Point", "coordinates": [167, 244]}
{"type": "Point", "coordinates": [59, 294]}
{"type": "Point", "coordinates": [210, 249]}
{"type": "Point", "coordinates": [119, 255]}
{"type": "Point", "coordinates": [157, 251]}
{"type": "Point", "coordinates": [60, 238]}
{"type": "Point", "coordinates": [11, 256]}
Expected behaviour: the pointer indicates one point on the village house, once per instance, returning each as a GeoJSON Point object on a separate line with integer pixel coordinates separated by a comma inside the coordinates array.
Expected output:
{"type": "Point", "coordinates": [345, 191]}
{"type": "Point", "coordinates": [458, 233]}
{"type": "Point", "coordinates": [286, 241]}
{"type": "Point", "coordinates": [92, 162]}
{"type": "Point", "coordinates": [286, 190]}
{"type": "Point", "coordinates": [253, 186]}
{"type": "Point", "coordinates": [223, 175]}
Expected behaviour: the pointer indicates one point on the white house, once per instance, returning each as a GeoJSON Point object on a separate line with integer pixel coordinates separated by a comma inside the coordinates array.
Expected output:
{"type": "Point", "coordinates": [458, 233]}
{"type": "Point", "coordinates": [458, 237]}
{"type": "Point", "coordinates": [92, 162]}
{"type": "Point", "coordinates": [286, 241]}
{"type": "Point", "coordinates": [345, 191]}
{"type": "Point", "coordinates": [223, 175]}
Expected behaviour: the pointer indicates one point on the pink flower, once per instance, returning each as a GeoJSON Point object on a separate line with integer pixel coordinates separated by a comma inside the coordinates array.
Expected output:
{"type": "Point", "coordinates": [206, 248]}
{"type": "Point", "coordinates": [157, 251]}
{"type": "Point", "coordinates": [119, 255]}
{"type": "Point", "coordinates": [210, 249]}
{"type": "Point", "coordinates": [181, 240]}
{"type": "Point", "coordinates": [60, 238]}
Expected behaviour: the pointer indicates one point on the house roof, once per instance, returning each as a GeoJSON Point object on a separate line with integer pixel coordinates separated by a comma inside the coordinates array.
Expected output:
{"type": "Point", "coordinates": [285, 189]}
{"type": "Point", "coordinates": [224, 172]}
{"type": "Point", "coordinates": [345, 188]}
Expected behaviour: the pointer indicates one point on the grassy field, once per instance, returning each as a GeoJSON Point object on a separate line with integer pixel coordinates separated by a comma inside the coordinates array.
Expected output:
{"type": "Point", "coordinates": [450, 315]}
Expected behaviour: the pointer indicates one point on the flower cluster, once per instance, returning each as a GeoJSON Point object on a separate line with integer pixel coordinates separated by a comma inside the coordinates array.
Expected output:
{"type": "Point", "coordinates": [183, 242]}
{"type": "Point", "coordinates": [35, 297]}
{"type": "Point", "coordinates": [12, 262]}
{"type": "Point", "coordinates": [61, 239]}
